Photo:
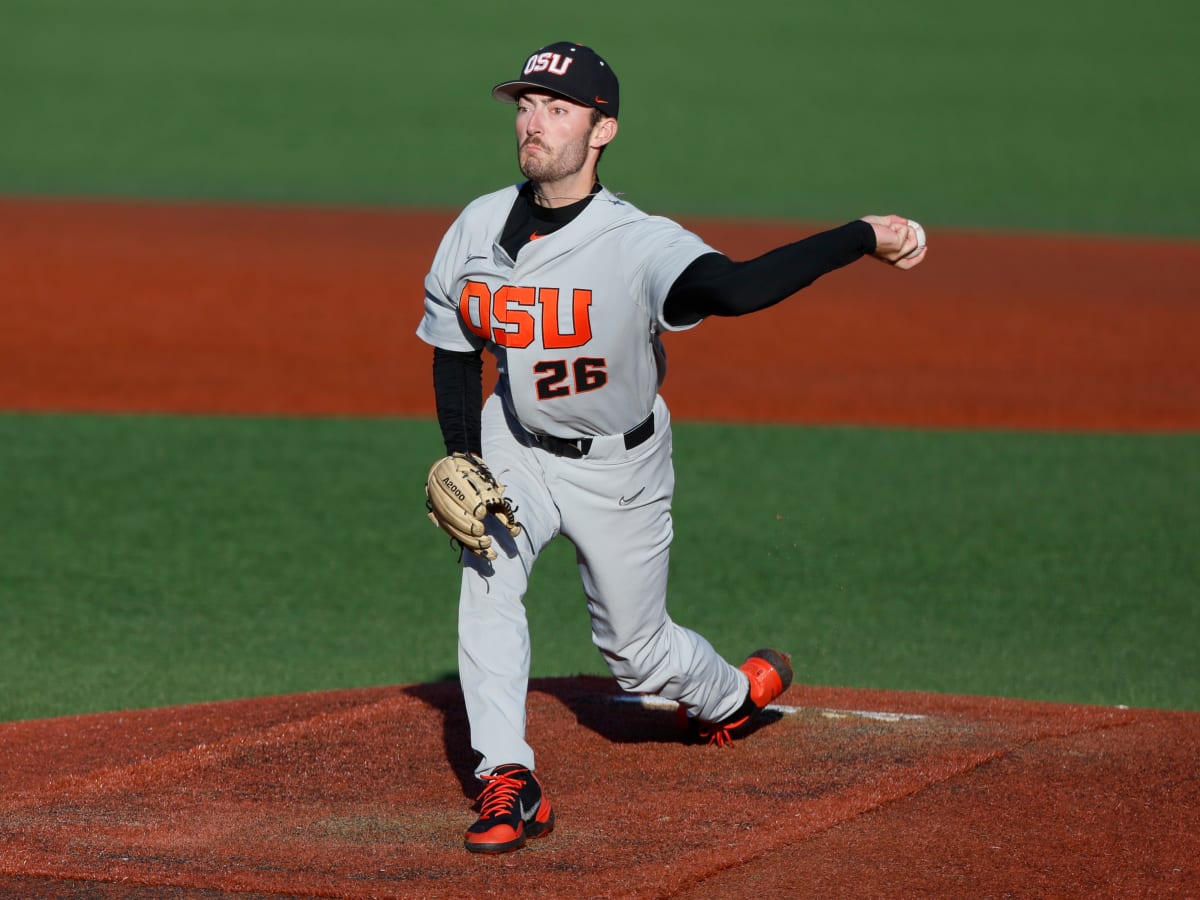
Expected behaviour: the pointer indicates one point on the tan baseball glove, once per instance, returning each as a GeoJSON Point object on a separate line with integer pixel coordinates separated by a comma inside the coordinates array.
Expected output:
{"type": "Point", "coordinates": [460, 492]}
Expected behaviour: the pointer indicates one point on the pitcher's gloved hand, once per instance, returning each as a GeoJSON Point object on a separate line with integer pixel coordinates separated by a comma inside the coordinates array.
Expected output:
{"type": "Point", "coordinates": [460, 493]}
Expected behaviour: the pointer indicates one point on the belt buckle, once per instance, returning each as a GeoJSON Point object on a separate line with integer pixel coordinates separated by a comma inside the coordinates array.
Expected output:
{"type": "Point", "coordinates": [560, 446]}
{"type": "Point", "coordinates": [569, 449]}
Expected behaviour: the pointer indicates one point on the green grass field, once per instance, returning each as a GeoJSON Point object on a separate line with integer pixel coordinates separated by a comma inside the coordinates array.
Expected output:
{"type": "Point", "coordinates": [1069, 116]}
{"type": "Point", "coordinates": [151, 560]}
{"type": "Point", "coordinates": [155, 560]}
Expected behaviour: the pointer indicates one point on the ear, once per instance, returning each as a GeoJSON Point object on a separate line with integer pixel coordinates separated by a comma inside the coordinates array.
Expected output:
{"type": "Point", "coordinates": [605, 131]}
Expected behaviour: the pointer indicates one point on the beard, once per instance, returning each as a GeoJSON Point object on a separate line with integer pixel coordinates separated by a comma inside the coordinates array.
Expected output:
{"type": "Point", "coordinates": [549, 165]}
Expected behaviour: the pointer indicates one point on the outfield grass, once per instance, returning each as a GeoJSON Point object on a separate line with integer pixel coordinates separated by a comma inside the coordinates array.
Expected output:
{"type": "Point", "coordinates": [152, 561]}
{"type": "Point", "coordinates": [1063, 116]}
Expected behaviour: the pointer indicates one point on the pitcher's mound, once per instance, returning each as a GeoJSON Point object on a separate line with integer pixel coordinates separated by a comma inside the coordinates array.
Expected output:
{"type": "Point", "coordinates": [367, 793]}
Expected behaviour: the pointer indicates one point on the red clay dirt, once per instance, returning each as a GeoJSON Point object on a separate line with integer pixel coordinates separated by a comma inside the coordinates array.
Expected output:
{"type": "Point", "coordinates": [365, 794]}
{"type": "Point", "coordinates": [122, 307]}
{"type": "Point", "coordinates": [209, 309]}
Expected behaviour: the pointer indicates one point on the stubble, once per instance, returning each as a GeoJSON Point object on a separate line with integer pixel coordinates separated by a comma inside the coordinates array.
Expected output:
{"type": "Point", "coordinates": [548, 165]}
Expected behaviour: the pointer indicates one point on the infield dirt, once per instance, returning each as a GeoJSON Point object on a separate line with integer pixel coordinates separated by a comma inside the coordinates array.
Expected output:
{"type": "Point", "coordinates": [113, 307]}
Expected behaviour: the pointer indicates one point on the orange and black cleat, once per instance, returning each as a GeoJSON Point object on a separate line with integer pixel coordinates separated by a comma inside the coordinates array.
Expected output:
{"type": "Point", "coordinates": [512, 809]}
{"type": "Point", "coordinates": [770, 674]}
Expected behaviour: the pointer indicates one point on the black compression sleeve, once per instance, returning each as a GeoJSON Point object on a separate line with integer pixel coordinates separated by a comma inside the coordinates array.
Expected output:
{"type": "Point", "coordinates": [714, 285]}
{"type": "Point", "coordinates": [458, 390]}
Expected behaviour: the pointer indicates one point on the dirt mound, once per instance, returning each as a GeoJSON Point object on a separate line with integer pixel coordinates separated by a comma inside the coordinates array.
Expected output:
{"type": "Point", "coordinates": [366, 794]}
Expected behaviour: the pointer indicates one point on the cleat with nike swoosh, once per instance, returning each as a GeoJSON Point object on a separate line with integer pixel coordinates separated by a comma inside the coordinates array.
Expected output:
{"type": "Point", "coordinates": [512, 809]}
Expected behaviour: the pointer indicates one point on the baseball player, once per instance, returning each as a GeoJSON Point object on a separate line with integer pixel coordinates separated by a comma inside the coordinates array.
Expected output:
{"type": "Point", "coordinates": [571, 288]}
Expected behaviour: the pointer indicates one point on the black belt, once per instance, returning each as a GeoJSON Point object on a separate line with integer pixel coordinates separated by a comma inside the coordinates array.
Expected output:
{"type": "Point", "coordinates": [577, 448]}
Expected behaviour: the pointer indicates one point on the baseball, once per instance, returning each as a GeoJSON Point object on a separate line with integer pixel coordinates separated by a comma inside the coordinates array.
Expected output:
{"type": "Point", "coordinates": [920, 232]}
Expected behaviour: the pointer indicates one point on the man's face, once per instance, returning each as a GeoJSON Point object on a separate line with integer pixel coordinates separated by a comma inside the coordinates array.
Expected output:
{"type": "Point", "coordinates": [553, 136]}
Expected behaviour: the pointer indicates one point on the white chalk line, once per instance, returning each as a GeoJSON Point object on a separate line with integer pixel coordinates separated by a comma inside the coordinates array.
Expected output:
{"type": "Point", "coordinates": [652, 702]}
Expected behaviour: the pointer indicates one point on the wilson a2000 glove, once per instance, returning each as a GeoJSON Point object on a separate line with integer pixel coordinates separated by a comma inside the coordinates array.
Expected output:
{"type": "Point", "coordinates": [460, 493]}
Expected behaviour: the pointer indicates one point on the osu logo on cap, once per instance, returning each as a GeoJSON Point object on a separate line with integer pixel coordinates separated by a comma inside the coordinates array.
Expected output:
{"type": "Point", "coordinates": [554, 63]}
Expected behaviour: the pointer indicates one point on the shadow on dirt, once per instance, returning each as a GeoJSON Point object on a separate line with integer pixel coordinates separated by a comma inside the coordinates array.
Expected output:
{"type": "Point", "coordinates": [593, 700]}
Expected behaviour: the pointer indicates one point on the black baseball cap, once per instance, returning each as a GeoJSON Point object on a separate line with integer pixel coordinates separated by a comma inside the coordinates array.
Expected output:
{"type": "Point", "coordinates": [571, 70]}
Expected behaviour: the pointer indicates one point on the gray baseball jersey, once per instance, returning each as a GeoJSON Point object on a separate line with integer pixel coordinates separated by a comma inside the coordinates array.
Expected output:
{"type": "Point", "coordinates": [574, 322]}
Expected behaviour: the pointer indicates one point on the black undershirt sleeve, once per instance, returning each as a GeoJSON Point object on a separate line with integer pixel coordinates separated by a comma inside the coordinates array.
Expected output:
{"type": "Point", "coordinates": [458, 389]}
{"type": "Point", "coordinates": [714, 285]}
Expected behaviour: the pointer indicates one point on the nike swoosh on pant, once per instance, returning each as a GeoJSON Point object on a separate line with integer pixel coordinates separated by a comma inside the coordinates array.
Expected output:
{"type": "Point", "coordinates": [625, 501]}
